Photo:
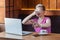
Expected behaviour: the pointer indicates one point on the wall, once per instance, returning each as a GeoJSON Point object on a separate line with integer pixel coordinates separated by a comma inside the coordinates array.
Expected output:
{"type": "Point", "coordinates": [16, 6]}
{"type": "Point", "coordinates": [49, 4]}
{"type": "Point", "coordinates": [2, 11]}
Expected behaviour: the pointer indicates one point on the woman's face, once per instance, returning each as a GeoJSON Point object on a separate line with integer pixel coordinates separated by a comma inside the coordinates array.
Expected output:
{"type": "Point", "coordinates": [40, 12]}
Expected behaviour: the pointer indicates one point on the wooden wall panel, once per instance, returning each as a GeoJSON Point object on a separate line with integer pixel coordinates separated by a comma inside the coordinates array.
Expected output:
{"type": "Point", "coordinates": [52, 4]}
{"type": "Point", "coordinates": [58, 4]}
{"type": "Point", "coordinates": [46, 3]}
{"type": "Point", "coordinates": [47, 13]}
{"type": "Point", "coordinates": [30, 3]}
{"type": "Point", "coordinates": [11, 14]}
{"type": "Point", "coordinates": [37, 2]}
{"type": "Point", "coordinates": [11, 2]}
{"type": "Point", "coordinates": [49, 4]}
{"type": "Point", "coordinates": [17, 4]}
{"type": "Point", "coordinates": [7, 14]}
{"type": "Point", "coordinates": [24, 3]}
{"type": "Point", "coordinates": [16, 13]}
{"type": "Point", "coordinates": [7, 2]}
{"type": "Point", "coordinates": [14, 5]}
{"type": "Point", "coordinates": [2, 3]}
{"type": "Point", "coordinates": [2, 11]}
{"type": "Point", "coordinates": [2, 15]}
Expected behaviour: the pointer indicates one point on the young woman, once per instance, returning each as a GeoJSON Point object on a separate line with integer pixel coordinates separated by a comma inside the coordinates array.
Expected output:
{"type": "Point", "coordinates": [42, 24]}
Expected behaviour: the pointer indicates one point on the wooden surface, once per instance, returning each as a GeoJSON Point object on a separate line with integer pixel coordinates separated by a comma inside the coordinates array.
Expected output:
{"type": "Point", "coordinates": [2, 11]}
{"type": "Point", "coordinates": [52, 36]}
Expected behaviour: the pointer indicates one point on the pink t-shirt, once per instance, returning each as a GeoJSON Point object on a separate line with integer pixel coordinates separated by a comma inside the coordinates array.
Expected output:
{"type": "Point", "coordinates": [38, 29]}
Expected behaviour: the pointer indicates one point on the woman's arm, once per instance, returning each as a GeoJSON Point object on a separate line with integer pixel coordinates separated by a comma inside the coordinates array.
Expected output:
{"type": "Point", "coordinates": [29, 22]}
{"type": "Point", "coordinates": [26, 20]}
{"type": "Point", "coordinates": [47, 24]}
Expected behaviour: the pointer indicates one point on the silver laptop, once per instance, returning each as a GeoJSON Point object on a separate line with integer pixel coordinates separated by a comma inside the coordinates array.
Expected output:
{"type": "Point", "coordinates": [14, 26]}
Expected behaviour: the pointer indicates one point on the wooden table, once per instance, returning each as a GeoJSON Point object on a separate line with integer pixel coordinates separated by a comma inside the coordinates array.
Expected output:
{"type": "Point", "coordinates": [52, 36]}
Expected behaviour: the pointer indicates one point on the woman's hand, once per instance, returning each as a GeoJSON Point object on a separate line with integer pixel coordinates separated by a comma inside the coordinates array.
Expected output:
{"type": "Point", "coordinates": [35, 24]}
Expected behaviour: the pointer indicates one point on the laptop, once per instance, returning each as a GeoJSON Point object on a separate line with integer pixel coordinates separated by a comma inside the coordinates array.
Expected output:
{"type": "Point", "coordinates": [14, 26]}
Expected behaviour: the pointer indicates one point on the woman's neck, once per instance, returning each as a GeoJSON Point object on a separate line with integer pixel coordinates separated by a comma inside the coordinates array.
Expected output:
{"type": "Point", "coordinates": [42, 17]}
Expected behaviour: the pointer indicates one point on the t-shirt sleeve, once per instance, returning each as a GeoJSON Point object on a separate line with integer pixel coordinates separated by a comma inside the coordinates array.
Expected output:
{"type": "Point", "coordinates": [47, 24]}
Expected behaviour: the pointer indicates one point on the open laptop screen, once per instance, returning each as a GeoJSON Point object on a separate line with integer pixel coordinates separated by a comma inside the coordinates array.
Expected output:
{"type": "Point", "coordinates": [13, 26]}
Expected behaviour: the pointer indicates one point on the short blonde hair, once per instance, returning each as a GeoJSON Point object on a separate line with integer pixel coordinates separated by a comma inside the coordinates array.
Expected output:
{"type": "Point", "coordinates": [40, 5]}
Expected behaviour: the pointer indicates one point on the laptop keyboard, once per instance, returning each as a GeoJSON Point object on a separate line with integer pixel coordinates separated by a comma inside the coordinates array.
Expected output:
{"type": "Point", "coordinates": [26, 32]}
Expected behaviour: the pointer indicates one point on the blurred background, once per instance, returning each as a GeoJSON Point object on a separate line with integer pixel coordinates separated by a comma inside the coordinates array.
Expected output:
{"type": "Point", "coordinates": [21, 8]}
